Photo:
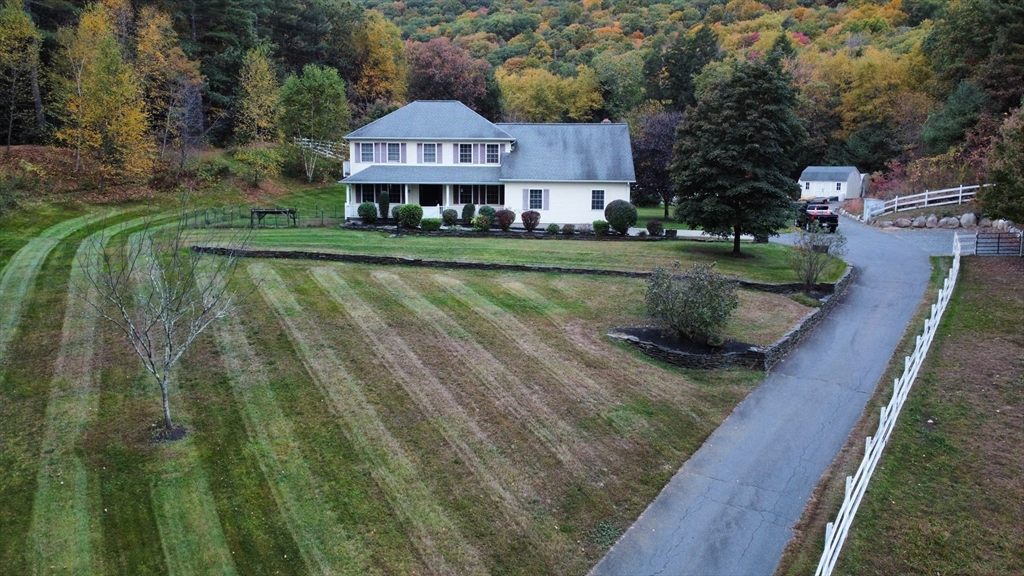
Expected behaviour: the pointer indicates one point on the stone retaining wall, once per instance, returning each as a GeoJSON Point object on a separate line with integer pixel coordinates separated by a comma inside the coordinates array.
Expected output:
{"type": "Point", "coordinates": [753, 357]}
{"type": "Point", "coordinates": [785, 288]}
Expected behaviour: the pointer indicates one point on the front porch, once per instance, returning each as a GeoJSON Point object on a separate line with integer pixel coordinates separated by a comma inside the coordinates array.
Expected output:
{"type": "Point", "coordinates": [434, 198]}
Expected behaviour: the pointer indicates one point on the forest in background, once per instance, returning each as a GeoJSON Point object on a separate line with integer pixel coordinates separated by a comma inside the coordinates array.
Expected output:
{"type": "Point", "coordinates": [915, 91]}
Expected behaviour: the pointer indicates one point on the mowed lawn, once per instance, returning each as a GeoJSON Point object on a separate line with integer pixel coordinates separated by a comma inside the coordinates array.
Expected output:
{"type": "Point", "coordinates": [758, 262]}
{"type": "Point", "coordinates": [349, 420]}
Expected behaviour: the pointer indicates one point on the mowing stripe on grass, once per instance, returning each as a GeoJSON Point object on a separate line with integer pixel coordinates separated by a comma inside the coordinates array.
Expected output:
{"type": "Point", "coordinates": [437, 539]}
{"type": "Point", "coordinates": [583, 388]}
{"type": "Point", "coordinates": [64, 532]}
{"type": "Point", "coordinates": [22, 268]}
{"type": "Point", "coordinates": [322, 541]}
{"type": "Point", "coordinates": [508, 393]}
{"type": "Point", "coordinates": [462, 432]}
{"type": "Point", "coordinates": [186, 515]}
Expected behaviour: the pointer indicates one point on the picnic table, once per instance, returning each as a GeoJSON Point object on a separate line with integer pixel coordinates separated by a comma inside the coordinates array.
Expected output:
{"type": "Point", "coordinates": [256, 215]}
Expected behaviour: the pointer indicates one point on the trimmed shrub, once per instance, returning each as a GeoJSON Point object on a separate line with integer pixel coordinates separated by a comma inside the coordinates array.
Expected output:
{"type": "Point", "coordinates": [569, 229]}
{"type": "Point", "coordinates": [552, 228]}
{"type": "Point", "coordinates": [504, 218]}
{"type": "Point", "coordinates": [655, 227]}
{"type": "Point", "coordinates": [450, 217]}
{"type": "Point", "coordinates": [394, 212]}
{"type": "Point", "coordinates": [621, 215]}
{"type": "Point", "coordinates": [384, 202]}
{"type": "Point", "coordinates": [430, 224]}
{"type": "Point", "coordinates": [481, 223]}
{"type": "Point", "coordinates": [468, 212]}
{"type": "Point", "coordinates": [530, 218]}
{"type": "Point", "coordinates": [368, 212]}
{"type": "Point", "coordinates": [410, 215]}
{"type": "Point", "coordinates": [694, 304]}
{"type": "Point", "coordinates": [487, 212]}
{"type": "Point", "coordinates": [584, 229]}
{"type": "Point", "coordinates": [601, 227]}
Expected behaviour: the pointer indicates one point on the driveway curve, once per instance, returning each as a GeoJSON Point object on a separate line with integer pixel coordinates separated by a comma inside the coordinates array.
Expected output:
{"type": "Point", "coordinates": [731, 508]}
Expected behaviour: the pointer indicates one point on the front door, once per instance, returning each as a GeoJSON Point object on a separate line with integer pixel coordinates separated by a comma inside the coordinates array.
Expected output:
{"type": "Point", "coordinates": [431, 194]}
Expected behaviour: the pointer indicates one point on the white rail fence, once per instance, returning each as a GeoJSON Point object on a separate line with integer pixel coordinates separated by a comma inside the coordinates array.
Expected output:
{"type": "Point", "coordinates": [926, 199]}
{"type": "Point", "coordinates": [335, 150]}
{"type": "Point", "coordinates": [836, 532]}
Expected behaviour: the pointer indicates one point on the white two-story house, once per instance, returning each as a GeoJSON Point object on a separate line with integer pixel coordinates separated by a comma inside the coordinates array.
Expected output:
{"type": "Point", "coordinates": [442, 154]}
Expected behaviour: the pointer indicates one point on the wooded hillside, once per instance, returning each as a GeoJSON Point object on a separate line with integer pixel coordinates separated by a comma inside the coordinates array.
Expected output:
{"type": "Point", "coordinates": [916, 90]}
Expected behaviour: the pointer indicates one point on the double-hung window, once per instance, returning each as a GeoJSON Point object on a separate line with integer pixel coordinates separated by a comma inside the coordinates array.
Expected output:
{"type": "Point", "coordinates": [839, 186]}
{"type": "Point", "coordinates": [465, 153]}
{"type": "Point", "coordinates": [536, 199]}
{"type": "Point", "coordinates": [597, 199]}
{"type": "Point", "coordinates": [492, 153]}
{"type": "Point", "coordinates": [366, 152]}
{"type": "Point", "coordinates": [465, 194]}
{"type": "Point", "coordinates": [807, 185]}
{"type": "Point", "coordinates": [394, 152]}
{"type": "Point", "coordinates": [430, 153]}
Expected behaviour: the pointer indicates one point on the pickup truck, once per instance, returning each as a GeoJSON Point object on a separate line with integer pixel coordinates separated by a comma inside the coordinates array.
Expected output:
{"type": "Point", "coordinates": [811, 212]}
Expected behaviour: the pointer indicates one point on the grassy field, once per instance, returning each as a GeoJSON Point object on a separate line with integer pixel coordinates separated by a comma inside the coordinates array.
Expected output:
{"type": "Point", "coordinates": [349, 420]}
{"type": "Point", "coordinates": [946, 496]}
{"type": "Point", "coordinates": [761, 262]}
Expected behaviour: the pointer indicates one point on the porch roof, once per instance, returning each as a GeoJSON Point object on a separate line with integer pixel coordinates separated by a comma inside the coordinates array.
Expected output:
{"type": "Point", "coordinates": [395, 174]}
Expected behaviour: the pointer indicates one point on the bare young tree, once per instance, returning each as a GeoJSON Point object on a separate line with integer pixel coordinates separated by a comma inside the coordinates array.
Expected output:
{"type": "Point", "coordinates": [158, 293]}
{"type": "Point", "coordinates": [815, 250]}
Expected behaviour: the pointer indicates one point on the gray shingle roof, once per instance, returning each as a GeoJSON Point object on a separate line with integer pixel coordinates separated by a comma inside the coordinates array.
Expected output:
{"type": "Point", "coordinates": [828, 173]}
{"type": "Point", "coordinates": [431, 119]}
{"type": "Point", "coordinates": [568, 152]}
{"type": "Point", "coordinates": [394, 174]}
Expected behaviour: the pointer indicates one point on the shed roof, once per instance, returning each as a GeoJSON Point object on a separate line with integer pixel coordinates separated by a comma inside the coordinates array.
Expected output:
{"type": "Point", "coordinates": [828, 173]}
{"type": "Point", "coordinates": [405, 174]}
{"type": "Point", "coordinates": [431, 120]}
{"type": "Point", "coordinates": [568, 152]}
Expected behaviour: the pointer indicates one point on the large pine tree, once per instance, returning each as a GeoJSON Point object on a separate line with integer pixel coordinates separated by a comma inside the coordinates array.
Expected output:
{"type": "Point", "coordinates": [734, 153]}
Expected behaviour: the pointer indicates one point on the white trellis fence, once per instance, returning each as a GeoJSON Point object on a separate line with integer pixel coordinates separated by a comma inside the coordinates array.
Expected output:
{"type": "Point", "coordinates": [835, 532]}
{"type": "Point", "coordinates": [926, 199]}
{"type": "Point", "coordinates": [334, 150]}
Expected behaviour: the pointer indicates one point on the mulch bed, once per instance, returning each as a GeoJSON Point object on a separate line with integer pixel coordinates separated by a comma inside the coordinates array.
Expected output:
{"type": "Point", "coordinates": [658, 336]}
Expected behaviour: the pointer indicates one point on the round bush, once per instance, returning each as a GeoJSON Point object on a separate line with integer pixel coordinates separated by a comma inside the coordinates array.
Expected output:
{"type": "Point", "coordinates": [552, 228]}
{"type": "Point", "coordinates": [694, 303]}
{"type": "Point", "coordinates": [450, 217]}
{"type": "Point", "coordinates": [410, 215]}
{"type": "Point", "coordinates": [368, 212]}
{"type": "Point", "coordinates": [504, 218]}
{"type": "Point", "coordinates": [655, 227]}
{"type": "Point", "coordinates": [394, 212]}
{"type": "Point", "coordinates": [487, 212]}
{"type": "Point", "coordinates": [620, 215]}
{"type": "Point", "coordinates": [468, 212]}
{"type": "Point", "coordinates": [569, 229]}
{"type": "Point", "coordinates": [430, 224]}
{"type": "Point", "coordinates": [601, 227]}
{"type": "Point", "coordinates": [530, 218]}
{"type": "Point", "coordinates": [481, 223]}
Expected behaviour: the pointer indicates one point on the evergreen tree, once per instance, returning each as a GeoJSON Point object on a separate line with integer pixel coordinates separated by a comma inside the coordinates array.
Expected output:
{"type": "Point", "coordinates": [682, 62]}
{"type": "Point", "coordinates": [734, 153]}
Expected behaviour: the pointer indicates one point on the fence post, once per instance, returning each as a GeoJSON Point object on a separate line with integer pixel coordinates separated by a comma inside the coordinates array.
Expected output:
{"type": "Point", "coordinates": [896, 205]}
{"type": "Point", "coordinates": [960, 198]}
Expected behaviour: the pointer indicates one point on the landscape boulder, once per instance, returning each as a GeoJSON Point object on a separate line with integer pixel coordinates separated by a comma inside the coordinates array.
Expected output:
{"type": "Point", "coordinates": [931, 221]}
{"type": "Point", "coordinates": [904, 223]}
{"type": "Point", "coordinates": [950, 222]}
{"type": "Point", "coordinates": [985, 223]}
{"type": "Point", "coordinates": [919, 222]}
{"type": "Point", "coordinates": [888, 224]}
{"type": "Point", "coordinates": [969, 220]}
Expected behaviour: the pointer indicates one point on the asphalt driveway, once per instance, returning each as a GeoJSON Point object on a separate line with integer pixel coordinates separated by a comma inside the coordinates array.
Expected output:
{"type": "Point", "coordinates": [731, 508]}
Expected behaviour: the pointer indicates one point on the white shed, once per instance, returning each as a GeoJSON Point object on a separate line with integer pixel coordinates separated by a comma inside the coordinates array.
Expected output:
{"type": "Point", "coordinates": [831, 182]}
